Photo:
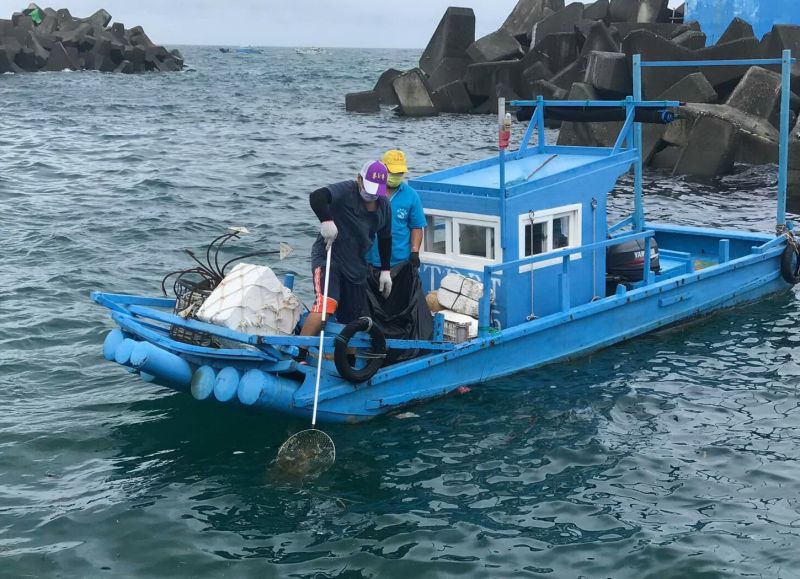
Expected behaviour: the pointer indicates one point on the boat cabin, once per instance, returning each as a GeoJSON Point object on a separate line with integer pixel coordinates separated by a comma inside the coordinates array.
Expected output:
{"type": "Point", "coordinates": [535, 201]}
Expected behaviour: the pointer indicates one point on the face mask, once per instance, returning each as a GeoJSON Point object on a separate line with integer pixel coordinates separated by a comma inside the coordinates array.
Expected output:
{"type": "Point", "coordinates": [367, 197]}
{"type": "Point", "coordinates": [395, 180]}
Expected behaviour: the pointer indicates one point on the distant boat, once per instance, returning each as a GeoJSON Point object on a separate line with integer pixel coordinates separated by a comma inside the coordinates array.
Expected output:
{"type": "Point", "coordinates": [311, 50]}
{"type": "Point", "coordinates": [225, 50]}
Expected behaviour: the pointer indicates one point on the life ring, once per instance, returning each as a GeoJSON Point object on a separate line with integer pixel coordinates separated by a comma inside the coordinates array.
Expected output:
{"type": "Point", "coordinates": [377, 353]}
{"type": "Point", "coordinates": [790, 264]}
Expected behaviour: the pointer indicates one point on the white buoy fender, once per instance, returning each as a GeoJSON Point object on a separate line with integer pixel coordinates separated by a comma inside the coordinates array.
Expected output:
{"type": "Point", "coordinates": [111, 343]}
{"type": "Point", "coordinates": [227, 384]}
{"type": "Point", "coordinates": [203, 382]}
{"type": "Point", "coordinates": [164, 365]}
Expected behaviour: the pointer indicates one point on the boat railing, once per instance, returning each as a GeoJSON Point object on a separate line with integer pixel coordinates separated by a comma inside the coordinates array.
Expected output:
{"type": "Point", "coordinates": [630, 136]}
{"type": "Point", "coordinates": [489, 271]}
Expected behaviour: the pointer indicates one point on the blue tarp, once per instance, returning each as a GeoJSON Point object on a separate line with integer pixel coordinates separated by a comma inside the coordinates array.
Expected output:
{"type": "Point", "coordinates": [715, 15]}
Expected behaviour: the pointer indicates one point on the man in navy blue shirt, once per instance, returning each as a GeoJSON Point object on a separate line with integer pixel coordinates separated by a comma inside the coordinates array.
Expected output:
{"type": "Point", "coordinates": [351, 214]}
{"type": "Point", "coordinates": [408, 218]}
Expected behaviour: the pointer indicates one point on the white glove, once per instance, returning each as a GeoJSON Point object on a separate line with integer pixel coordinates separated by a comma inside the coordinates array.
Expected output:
{"type": "Point", "coordinates": [328, 231]}
{"type": "Point", "coordinates": [385, 284]}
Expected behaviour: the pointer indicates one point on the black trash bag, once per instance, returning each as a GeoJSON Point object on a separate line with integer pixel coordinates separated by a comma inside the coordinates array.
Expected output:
{"type": "Point", "coordinates": [404, 315]}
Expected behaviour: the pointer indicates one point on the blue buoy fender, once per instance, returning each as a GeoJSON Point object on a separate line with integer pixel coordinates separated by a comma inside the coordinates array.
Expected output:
{"type": "Point", "coordinates": [122, 355]}
{"type": "Point", "coordinates": [165, 366]}
{"type": "Point", "coordinates": [203, 382]}
{"type": "Point", "coordinates": [111, 343]}
{"type": "Point", "coordinates": [227, 384]}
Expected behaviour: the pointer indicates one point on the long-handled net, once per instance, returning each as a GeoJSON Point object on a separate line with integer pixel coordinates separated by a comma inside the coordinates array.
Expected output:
{"type": "Point", "coordinates": [310, 452]}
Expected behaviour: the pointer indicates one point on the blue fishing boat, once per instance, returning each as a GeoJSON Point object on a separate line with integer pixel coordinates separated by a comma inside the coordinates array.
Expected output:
{"type": "Point", "coordinates": [531, 227]}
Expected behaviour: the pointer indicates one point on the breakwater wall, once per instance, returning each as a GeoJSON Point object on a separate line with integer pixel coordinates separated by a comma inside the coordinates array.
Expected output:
{"type": "Point", "coordinates": [53, 40]}
{"type": "Point", "coordinates": [576, 51]}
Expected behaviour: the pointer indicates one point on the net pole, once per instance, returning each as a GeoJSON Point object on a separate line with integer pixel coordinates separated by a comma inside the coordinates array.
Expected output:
{"type": "Point", "coordinates": [322, 336]}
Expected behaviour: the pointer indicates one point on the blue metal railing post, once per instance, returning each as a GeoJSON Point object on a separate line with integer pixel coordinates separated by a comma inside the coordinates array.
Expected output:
{"type": "Point", "coordinates": [564, 285]}
{"type": "Point", "coordinates": [783, 161]}
{"type": "Point", "coordinates": [638, 202]}
{"type": "Point", "coordinates": [484, 305]}
{"type": "Point", "coordinates": [540, 122]}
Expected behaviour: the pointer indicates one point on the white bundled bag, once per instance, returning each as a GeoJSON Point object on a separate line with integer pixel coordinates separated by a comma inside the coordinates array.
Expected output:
{"type": "Point", "coordinates": [252, 300]}
{"type": "Point", "coordinates": [460, 294]}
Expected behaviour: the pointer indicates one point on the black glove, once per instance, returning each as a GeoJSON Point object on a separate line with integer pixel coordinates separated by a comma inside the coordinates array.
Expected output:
{"type": "Point", "coordinates": [414, 259]}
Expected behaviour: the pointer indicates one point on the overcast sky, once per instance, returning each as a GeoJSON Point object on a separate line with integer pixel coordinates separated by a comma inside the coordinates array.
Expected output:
{"type": "Point", "coordinates": [352, 23]}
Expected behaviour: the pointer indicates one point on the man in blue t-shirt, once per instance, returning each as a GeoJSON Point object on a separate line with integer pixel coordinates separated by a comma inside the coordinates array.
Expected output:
{"type": "Point", "coordinates": [408, 219]}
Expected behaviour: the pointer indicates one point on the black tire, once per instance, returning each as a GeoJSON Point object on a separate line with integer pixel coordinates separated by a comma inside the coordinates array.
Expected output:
{"type": "Point", "coordinates": [790, 265]}
{"type": "Point", "coordinates": [377, 353]}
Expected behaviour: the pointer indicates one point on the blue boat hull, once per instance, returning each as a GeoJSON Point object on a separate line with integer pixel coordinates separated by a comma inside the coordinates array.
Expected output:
{"type": "Point", "coordinates": [571, 333]}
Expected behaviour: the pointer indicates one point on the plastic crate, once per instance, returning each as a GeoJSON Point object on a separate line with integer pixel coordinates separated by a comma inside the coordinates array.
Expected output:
{"type": "Point", "coordinates": [189, 296]}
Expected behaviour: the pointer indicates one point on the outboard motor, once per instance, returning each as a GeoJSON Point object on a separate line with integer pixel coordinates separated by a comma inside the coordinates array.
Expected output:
{"type": "Point", "coordinates": [625, 263]}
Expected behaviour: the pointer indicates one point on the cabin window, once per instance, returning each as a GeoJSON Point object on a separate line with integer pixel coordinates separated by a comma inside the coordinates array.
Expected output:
{"type": "Point", "coordinates": [437, 231]}
{"type": "Point", "coordinates": [549, 230]}
{"type": "Point", "coordinates": [476, 240]}
{"type": "Point", "coordinates": [463, 240]}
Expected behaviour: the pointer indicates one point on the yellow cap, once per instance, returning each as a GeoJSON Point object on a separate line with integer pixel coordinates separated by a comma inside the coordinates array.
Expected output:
{"type": "Point", "coordinates": [395, 161]}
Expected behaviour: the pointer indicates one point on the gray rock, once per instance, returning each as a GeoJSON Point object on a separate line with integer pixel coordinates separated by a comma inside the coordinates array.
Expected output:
{"type": "Point", "coordinates": [40, 53]}
{"type": "Point", "coordinates": [663, 29]}
{"type": "Point", "coordinates": [587, 134]}
{"type": "Point", "coordinates": [26, 60]}
{"type": "Point", "coordinates": [597, 11]}
{"type": "Point", "coordinates": [562, 21]}
{"type": "Point", "coordinates": [494, 47]}
{"type": "Point", "coordinates": [781, 37]}
{"type": "Point", "coordinates": [567, 77]}
{"type": "Point", "coordinates": [693, 88]}
{"type": "Point", "coordinates": [744, 48]}
{"type": "Point", "coordinates": [454, 35]}
{"type": "Point", "coordinates": [449, 70]}
{"type": "Point", "coordinates": [452, 98]}
{"type": "Point", "coordinates": [758, 94]}
{"type": "Point", "coordinates": [100, 19]}
{"type": "Point", "coordinates": [169, 64]}
{"type": "Point", "coordinates": [691, 39]}
{"type": "Point", "coordinates": [609, 72]}
{"type": "Point", "coordinates": [60, 59]}
{"type": "Point", "coordinates": [537, 71]}
{"type": "Point", "coordinates": [711, 150]}
{"type": "Point", "coordinates": [667, 158]}
{"type": "Point", "coordinates": [527, 13]}
{"type": "Point", "coordinates": [383, 88]}
{"type": "Point", "coordinates": [557, 51]}
{"type": "Point", "coordinates": [736, 30]}
{"type": "Point", "coordinates": [624, 10]}
{"type": "Point", "coordinates": [367, 101]}
{"type": "Point", "coordinates": [482, 78]}
{"type": "Point", "coordinates": [412, 94]}
{"type": "Point", "coordinates": [125, 67]}
{"type": "Point", "coordinates": [598, 39]}
{"type": "Point", "coordinates": [654, 47]}
{"type": "Point", "coordinates": [650, 10]}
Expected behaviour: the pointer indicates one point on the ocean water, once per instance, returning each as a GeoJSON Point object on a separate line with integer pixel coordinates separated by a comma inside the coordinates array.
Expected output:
{"type": "Point", "coordinates": [676, 455]}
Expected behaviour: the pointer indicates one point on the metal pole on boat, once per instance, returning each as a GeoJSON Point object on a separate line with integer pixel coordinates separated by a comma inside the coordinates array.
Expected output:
{"type": "Point", "coordinates": [638, 208]}
{"type": "Point", "coordinates": [783, 160]}
{"type": "Point", "coordinates": [501, 117]}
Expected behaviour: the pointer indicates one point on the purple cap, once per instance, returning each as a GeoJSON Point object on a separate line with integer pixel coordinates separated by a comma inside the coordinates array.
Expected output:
{"type": "Point", "coordinates": [374, 174]}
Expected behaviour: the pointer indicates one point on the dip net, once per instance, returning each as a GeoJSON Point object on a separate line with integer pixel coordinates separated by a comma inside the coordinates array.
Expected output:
{"type": "Point", "coordinates": [306, 454]}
